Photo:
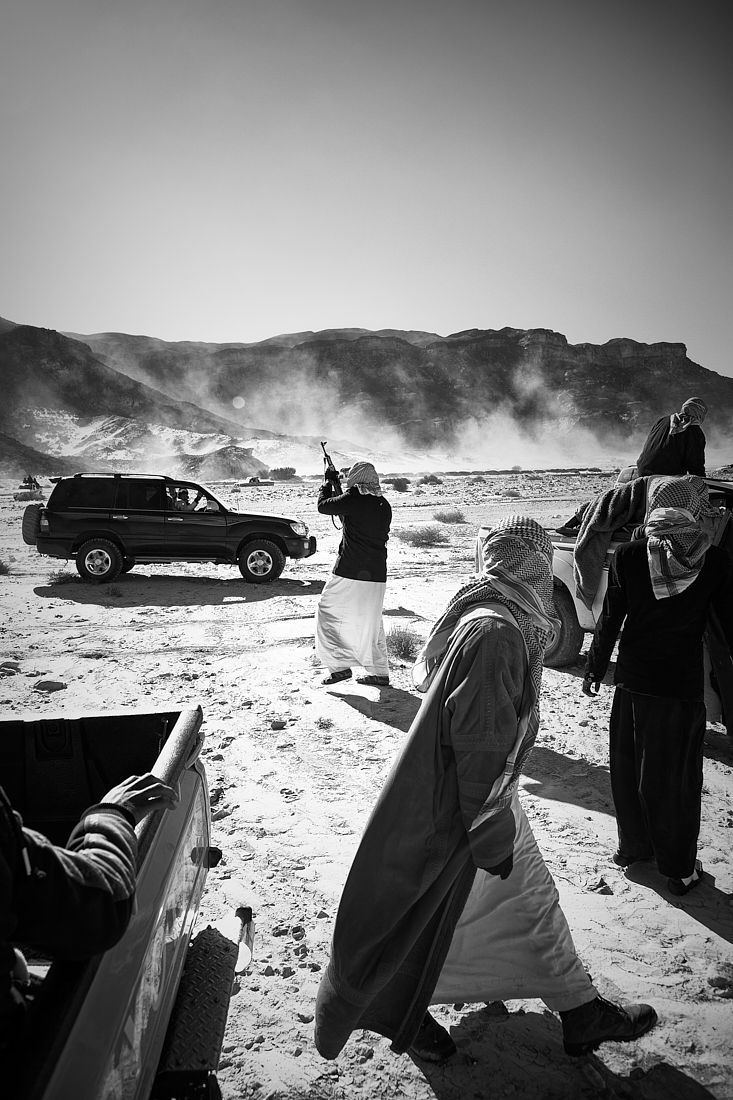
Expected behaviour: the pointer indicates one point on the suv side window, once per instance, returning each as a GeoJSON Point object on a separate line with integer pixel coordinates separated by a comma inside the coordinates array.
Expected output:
{"type": "Point", "coordinates": [83, 492]}
{"type": "Point", "coordinates": [140, 495]}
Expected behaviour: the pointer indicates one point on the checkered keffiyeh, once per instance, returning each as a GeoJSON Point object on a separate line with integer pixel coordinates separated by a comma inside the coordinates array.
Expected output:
{"type": "Point", "coordinates": [677, 541]}
{"type": "Point", "coordinates": [365, 478]}
{"type": "Point", "coordinates": [517, 574]}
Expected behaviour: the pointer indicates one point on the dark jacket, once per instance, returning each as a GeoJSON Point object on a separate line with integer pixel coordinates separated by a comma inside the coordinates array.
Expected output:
{"type": "Point", "coordinates": [416, 862]}
{"type": "Point", "coordinates": [683, 453]}
{"type": "Point", "coordinates": [661, 650]}
{"type": "Point", "coordinates": [71, 902]}
{"type": "Point", "coordinates": [362, 554]}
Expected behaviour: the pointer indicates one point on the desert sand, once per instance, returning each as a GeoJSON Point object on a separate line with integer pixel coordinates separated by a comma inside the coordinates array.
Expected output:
{"type": "Point", "coordinates": [294, 768]}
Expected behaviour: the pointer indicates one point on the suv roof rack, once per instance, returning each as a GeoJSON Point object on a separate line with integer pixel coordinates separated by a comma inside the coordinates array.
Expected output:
{"type": "Point", "coordinates": [108, 473]}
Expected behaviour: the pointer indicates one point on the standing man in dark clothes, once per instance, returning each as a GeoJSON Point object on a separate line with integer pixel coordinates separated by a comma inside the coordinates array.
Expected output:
{"type": "Point", "coordinates": [349, 629]}
{"type": "Point", "coordinates": [72, 902]}
{"type": "Point", "coordinates": [676, 444]}
{"type": "Point", "coordinates": [660, 588]}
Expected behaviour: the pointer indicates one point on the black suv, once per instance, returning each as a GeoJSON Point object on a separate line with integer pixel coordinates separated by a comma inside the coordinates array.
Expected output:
{"type": "Point", "coordinates": [110, 522]}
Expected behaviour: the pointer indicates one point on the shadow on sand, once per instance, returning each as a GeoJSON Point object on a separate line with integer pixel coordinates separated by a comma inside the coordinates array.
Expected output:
{"type": "Point", "coordinates": [706, 904]}
{"type": "Point", "coordinates": [521, 1054]}
{"type": "Point", "coordinates": [141, 590]}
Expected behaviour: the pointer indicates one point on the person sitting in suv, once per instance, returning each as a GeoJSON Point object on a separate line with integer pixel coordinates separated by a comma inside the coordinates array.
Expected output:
{"type": "Point", "coordinates": [182, 502]}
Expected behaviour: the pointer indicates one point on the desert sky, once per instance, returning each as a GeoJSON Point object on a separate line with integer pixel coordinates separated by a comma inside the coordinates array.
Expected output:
{"type": "Point", "coordinates": [227, 170]}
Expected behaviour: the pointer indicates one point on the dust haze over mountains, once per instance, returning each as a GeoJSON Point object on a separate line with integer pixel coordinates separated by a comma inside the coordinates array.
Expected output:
{"type": "Point", "coordinates": [479, 399]}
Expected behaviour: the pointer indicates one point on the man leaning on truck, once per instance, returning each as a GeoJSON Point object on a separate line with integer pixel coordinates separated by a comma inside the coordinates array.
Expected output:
{"type": "Point", "coordinates": [72, 902]}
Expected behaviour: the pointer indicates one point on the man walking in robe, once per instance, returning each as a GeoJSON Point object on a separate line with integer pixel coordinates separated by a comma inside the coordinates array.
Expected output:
{"type": "Point", "coordinates": [349, 628]}
{"type": "Point", "coordinates": [660, 588]}
{"type": "Point", "coordinates": [448, 898]}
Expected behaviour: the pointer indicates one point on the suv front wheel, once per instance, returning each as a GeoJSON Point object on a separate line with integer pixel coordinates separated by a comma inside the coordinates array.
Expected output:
{"type": "Point", "coordinates": [99, 561]}
{"type": "Point", "coordinates": [261, 561]}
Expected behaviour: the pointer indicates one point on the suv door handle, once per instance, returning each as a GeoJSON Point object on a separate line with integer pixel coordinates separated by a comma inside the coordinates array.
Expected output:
{"type": "Point", "coordinates": [174, 519]}
{"type": "Point", "coordinates": [119, 517]}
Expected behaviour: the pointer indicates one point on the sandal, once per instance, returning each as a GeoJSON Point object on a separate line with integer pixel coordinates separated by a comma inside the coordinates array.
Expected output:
{"type": "Point", "coordinates": [337, 677]}
{"type": "Point", "coordinates": [378, 681]}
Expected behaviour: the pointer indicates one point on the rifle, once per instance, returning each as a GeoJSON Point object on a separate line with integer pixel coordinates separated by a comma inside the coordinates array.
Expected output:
{"type": "Point", "coordinates": [330, 472]}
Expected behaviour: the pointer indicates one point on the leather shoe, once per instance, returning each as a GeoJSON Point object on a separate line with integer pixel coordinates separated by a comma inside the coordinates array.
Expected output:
{"type": "Point", "coordinates": [600, 1021]}
{"type": "Point", "coordinates": [677, 887]}
{"type": "Point", "coordinates": [432, 1042]}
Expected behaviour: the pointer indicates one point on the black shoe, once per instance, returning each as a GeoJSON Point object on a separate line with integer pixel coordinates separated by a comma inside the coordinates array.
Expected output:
{"type": "Point", "coordinates": [337, 677]}
{"type": "Point", "coordinates": [432, 1042]}
{"type": "Point", "coordinates": [622, 860]}
{"type": "Point", "coordinates": [677, 887]}
{"type": "Point", "coordinates": [599, 1021]}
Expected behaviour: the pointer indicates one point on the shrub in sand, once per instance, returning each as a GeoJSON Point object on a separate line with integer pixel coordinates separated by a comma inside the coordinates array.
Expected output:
{"type": "Point", "coordinates": [429, 535]}
{"type": "Point", "coordinates": [399, 484]}
{"type": "Point", "coordinates": [430, 479]}
{"type": "Point", "coordinates": [4, 568]}
{"type": "Point", "coordinates": [404, 643]}
{"type": "Point", "coordinates": [62, 576]}
{"type": "Point", "coordinates": [450, 515]}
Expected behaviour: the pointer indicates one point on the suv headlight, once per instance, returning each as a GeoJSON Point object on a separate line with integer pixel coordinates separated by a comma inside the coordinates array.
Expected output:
{"type": "Point", "coordinates": [301, 529]}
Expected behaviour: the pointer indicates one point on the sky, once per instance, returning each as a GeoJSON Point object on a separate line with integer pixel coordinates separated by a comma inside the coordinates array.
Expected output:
{"type": "Point", "coordinates": [228, 170]}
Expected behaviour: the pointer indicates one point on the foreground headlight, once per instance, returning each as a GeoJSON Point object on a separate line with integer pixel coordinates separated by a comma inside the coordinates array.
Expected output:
{"type": "Point", "coordinates": [301, 529]}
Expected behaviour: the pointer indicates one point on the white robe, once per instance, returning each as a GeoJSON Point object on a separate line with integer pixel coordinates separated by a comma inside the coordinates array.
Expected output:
{"type": "Point", "coordinates": [512, 939]}
{"type": "Point", "coordinates": [349, 628]}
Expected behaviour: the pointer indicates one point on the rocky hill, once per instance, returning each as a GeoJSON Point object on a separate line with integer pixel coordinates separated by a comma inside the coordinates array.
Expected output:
{"type": "Point", "coordinates": [412, 400]}
{"type": "Point", "coordinates": [431, 391]}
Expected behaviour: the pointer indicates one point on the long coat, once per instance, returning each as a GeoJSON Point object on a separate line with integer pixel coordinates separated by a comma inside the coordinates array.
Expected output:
{"type": "Point", "coordinates": [416, 862]}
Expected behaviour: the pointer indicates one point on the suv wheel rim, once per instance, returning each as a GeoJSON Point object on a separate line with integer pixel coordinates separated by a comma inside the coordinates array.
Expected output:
{"type": "Point", "coordinates": [98, 562]}
{"type": "Point", "coordinates": [259, 563]}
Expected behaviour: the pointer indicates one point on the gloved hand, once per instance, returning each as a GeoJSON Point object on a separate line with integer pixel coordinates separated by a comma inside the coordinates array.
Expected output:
{"type": "Point", "coordinates": [503, 869]}
{"type": "Point", "coordinates": [591, 686]}
{"type": "Point", "coordinates": [332, 475]}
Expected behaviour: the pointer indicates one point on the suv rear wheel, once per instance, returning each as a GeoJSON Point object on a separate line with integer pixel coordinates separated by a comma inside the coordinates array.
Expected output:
{"type": "Point", "coordinates": [99, 561]}
{"type": "Point", "coordinates": [261, 561]}
{"type": "Point", "coordinates": [568, 644]}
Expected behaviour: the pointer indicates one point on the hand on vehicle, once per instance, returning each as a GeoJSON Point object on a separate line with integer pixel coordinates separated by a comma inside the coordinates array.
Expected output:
{"type": "Point", "coordinates": [591, 686]}
{"type": "Point", "coordinates": [141, 795]}
{"type": "Point", "coordinates": [503, 869]}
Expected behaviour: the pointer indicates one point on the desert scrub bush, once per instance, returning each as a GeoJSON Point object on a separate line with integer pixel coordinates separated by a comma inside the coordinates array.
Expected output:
{"type": "Point", "coordinates": [404, 643]}
{"type": "Point", "coordinates": [429, 535]}
{"type": "Point", "coordinates": [324, 723]}
{"type": "Point", "coordinates": [282, 473]}
{"type": "Point", "coordinates": [399, 484]}
{"type": "Point", "coordinates": [430, 479]}
{"type": "Point", "coordinates": [4, 568]}
{"type": "Point", "coordinates": [62, 576]}
{"type": "Point", "coordinates": [450, 515]}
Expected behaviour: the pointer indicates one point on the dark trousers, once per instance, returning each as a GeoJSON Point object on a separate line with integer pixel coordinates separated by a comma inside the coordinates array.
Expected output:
{"type": "Point", "coordinates": [656, 778]}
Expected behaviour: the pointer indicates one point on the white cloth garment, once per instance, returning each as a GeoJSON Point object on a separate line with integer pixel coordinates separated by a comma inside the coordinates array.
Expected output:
{"type": "Point", "coordinates": [349, 628]}
{"type": "Point", "coordinates": [512, 939]}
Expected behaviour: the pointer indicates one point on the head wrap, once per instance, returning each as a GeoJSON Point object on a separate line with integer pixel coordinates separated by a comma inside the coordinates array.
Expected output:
{"type": "Point", "coordinates": [365, 478]}
{"type": "Point", "coordinates": [676, 539]}
{"type": "Point", "coordinates": [517, 572]}
{"type": "Point", "coordinates": [693, 411]}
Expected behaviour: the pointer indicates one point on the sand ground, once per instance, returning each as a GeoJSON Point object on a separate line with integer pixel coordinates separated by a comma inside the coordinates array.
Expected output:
{"type": "Point", "coordinates": [294, 768]}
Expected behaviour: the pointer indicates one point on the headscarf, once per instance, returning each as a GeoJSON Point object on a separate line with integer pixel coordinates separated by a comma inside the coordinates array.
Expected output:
{"type": "Point", "coordinates": [693, 411]}
{"type": "Point", "coordinates": [517, 573]}
{"type": "Point", "coordinates": [365, 478]}
{"type": "Point", "coordinates": [677, 540]}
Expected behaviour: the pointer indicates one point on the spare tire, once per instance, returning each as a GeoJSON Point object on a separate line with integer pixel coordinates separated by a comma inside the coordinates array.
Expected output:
{"type": "Point", "coordinates": [31, 524]}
